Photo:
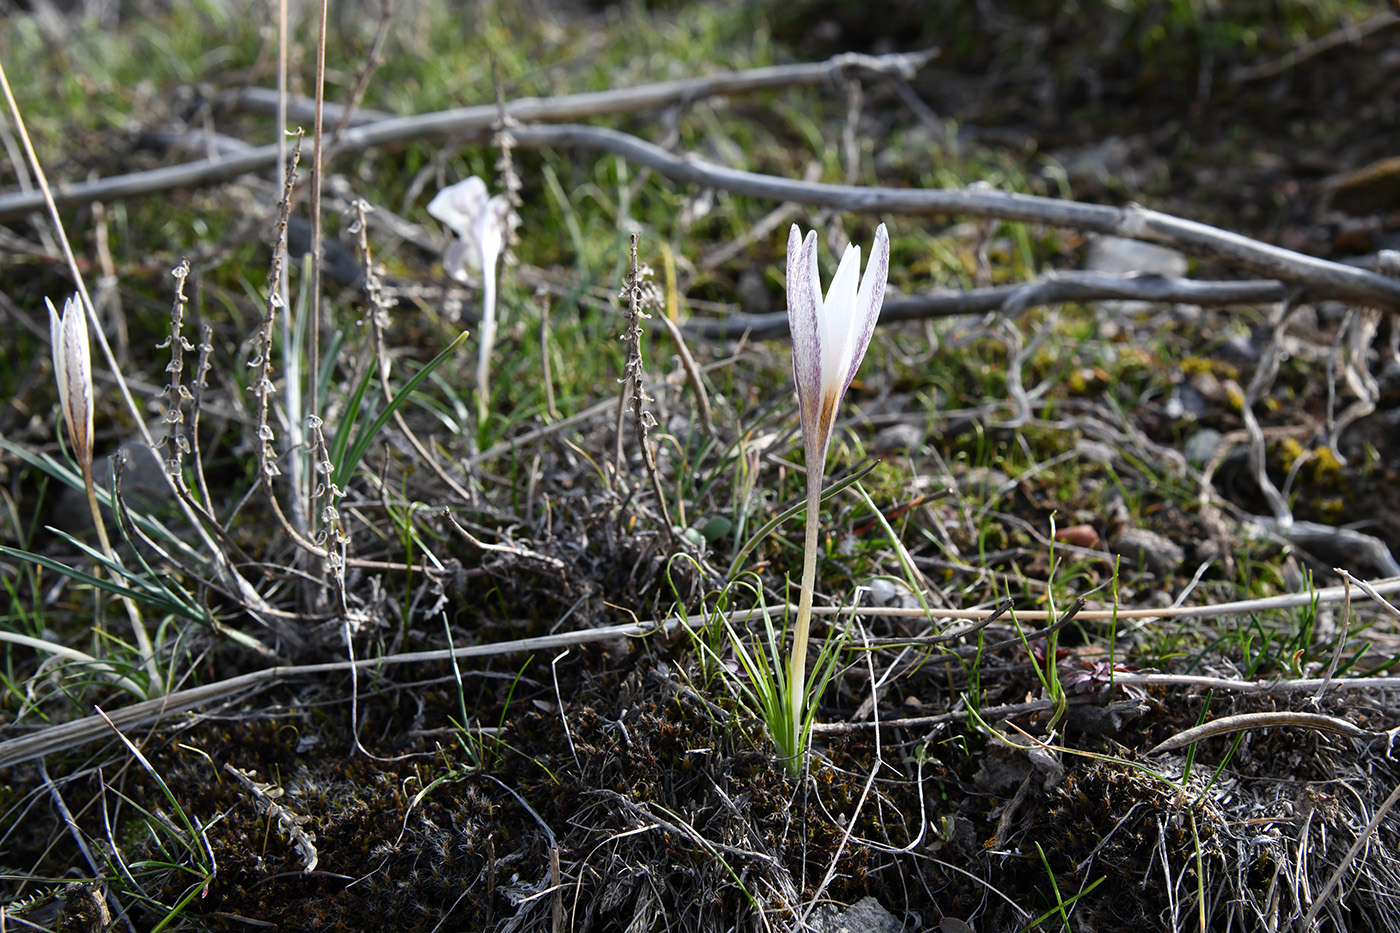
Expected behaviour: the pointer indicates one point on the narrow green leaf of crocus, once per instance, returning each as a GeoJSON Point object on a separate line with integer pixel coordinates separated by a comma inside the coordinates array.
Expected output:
{"type": "Point", "coordinates": [357, 450]}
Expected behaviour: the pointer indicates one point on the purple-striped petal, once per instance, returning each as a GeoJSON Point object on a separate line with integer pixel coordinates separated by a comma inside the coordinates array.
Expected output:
{"type": "Point", "coordinates": [830, 335]}
{"type": "Point", "coordinates": [803, 317]}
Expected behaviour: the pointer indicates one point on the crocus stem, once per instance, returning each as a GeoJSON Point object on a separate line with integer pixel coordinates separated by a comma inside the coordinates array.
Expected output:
{"type": "Point", "coordinates": [483, 359]}
{"type": "Point", "coordinates": [138, 626]}
{"type": "Point", "coordinates": [797, 663]}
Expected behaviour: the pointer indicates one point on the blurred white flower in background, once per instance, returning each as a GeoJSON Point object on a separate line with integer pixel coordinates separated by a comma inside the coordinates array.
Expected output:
{"type": "Point", "coordinates": [481, 223]}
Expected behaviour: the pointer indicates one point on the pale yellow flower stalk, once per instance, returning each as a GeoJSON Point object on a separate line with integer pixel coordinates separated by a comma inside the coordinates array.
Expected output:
{"type": "Point", "coordinates": [72, 367]}
{"type": "Point", "coordinates": [829, 340]}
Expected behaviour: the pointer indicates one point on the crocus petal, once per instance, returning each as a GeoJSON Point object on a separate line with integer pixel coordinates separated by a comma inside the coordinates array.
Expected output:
{"type": "Point", "coordinates": [838, 320]}
{"type": "Point", "coordinates": [804, 306]}
{"type": "Point", "coordinates": [869, 302]}
{"type": "Point", "coordinates": [72, 366]}
{"type": "Point", "coordinates": [489, 231]}
{"type": "Point", "coordinates": [454, 258]}
{"type": "Point", "coordinates": [830, 335]}
{"type": "Point", "coordinates": [460, 205]}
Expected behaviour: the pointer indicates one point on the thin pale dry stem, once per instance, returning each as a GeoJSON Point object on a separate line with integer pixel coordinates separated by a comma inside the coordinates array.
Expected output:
{"type": "Point", "coordinates": [1263, 380]}
{"type": "Point", "coordinates": [692, 375]}
{"type": "Point", "coordinates": [79, 732]}
{"type": "Point", "coordinates": [262, 386]}
{"type": "Point", "coordinates": [542, 296]}
{"type": "Point", "coordinates": [369, 64]}
{"type": "Point", "coordinates": [201, 383]}
{"type": "Point", "coordinates": [313, 400]}
{"type": "Point", "coordinates": [640, 293]}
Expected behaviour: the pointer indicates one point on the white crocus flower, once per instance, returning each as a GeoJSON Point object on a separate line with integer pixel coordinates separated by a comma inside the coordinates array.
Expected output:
{"type": "Point", "coordinates": [830, 336]}
{"type": "Point", "coordinates": [829, 339]}
{"type": "Point", "coordinates": [72, 367]}
{"type": "Point", "coordinates": [480, 222]}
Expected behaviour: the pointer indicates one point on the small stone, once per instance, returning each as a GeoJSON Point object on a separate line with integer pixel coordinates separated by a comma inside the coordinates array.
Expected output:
{"type": "Point", "coordinates": [864, 916]}
{"type": "Point", "coordinates": [899, 437]}
{"type": "Point", "coordinates": [1117, 254]}
{"type": "Point", "coordinates": [888, 593]}
{"type": "Point", "coordinates": [1157, 553]}
{"type": "Point", "coordinates": [1202, 445]}
{"type": "Point", "coordinates": [982, 483]}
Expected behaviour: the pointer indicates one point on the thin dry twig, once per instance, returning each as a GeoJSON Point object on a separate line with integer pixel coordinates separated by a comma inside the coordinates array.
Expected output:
{"type": "Point", "coordinates": [1259, 386]}
{"type": "Point", "coordinates": [1349, 34]}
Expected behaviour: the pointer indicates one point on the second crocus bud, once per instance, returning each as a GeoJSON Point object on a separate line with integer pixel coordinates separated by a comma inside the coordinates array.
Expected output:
{"type": "Point", "coordinates": [72, 367]}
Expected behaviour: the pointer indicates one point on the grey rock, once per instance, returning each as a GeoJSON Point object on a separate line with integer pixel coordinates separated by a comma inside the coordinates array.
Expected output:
{"type": "Point", "coordinates": [143, 488]}
{"type": "Point", "coordinates": [981, 483]}
{"type": "Point", "coordinates": [1117, 254]}
{"type": "Point", "coordinates": [1157, 553]}
{"type": "Point", "coordinates": [1202, 445]}
{"type": "Point", "coordinates": [892, 593]}
{"type": "Point", "coordinates": [901, 437]}
{"type": "Point", "coordinates": [864, 916]}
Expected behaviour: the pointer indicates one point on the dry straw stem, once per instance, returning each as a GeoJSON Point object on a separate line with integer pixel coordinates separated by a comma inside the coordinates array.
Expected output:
{"type": "Point", "coordinates": [69, 735]}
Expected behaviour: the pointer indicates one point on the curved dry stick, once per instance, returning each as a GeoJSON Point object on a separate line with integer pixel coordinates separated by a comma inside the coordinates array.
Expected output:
{"type": "Point", "coordinates": [1228, 724]}
{"type": "Point", "coordinates": [1054, 288]}
{"type": "Point", "coordinates": [900, 65]}
{"type": "Point", "coordinates": [1318, 277]}
{"type": "Point", "coordinates": [1134, 221]}
{"type": "Point", "coordinates": [373, 128]}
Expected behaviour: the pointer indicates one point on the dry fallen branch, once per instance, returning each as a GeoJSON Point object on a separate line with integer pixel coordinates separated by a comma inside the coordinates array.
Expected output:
{"type": "Point", "coordinates": [1315, 277]}
{"type": "Point", "coordinates": [372, 128]}
{"type": "Point", "coordinates": [1053, 288]}
{"type": "Point", "coordinates": [901, 65]}
{"type": "Point", "coordinates": [1318, 277]}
